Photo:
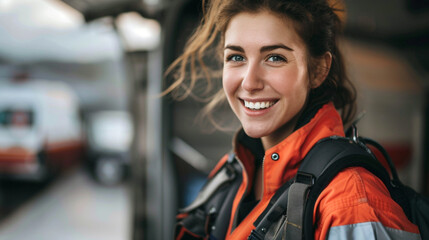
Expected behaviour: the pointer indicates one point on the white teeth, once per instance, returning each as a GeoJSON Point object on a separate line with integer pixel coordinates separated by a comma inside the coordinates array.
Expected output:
{"type": "Point", "coordinates": [258, 105]}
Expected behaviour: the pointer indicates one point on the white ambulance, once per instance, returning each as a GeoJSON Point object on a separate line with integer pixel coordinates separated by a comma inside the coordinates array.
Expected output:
{"type": "Point", "coordinates": [40, 129]}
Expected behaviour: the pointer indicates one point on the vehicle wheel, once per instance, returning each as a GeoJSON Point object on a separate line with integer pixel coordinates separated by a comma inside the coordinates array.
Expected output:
{"type": "Point", "coordinates": [108, 171]}
{"type": "Point", "coordinates": [45, 171]}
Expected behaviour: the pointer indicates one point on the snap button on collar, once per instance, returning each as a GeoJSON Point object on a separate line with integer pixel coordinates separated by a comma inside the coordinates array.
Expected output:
{"type": "Point", "coordinates": [275, 156]}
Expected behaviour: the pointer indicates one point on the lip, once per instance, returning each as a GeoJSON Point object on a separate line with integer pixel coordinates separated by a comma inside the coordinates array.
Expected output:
{"type": "Point", "coordinates": [258, 112]}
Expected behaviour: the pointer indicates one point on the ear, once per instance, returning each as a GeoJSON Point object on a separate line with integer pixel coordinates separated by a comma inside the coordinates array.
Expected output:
{"type": "Point", "coordinates": [322, 69]}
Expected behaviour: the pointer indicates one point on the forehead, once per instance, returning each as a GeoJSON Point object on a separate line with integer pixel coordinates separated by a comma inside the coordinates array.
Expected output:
{"type": "Point", "coordinates": [262, 27]}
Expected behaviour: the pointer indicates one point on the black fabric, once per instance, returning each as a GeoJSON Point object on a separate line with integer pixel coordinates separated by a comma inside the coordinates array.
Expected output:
{"type": "Point", "coordinates": [419, 207]}
{"type": "Point", "coordinates": [415, 205]}
{"type": "Point", "coordinates": [192, 224]}
{"type": "Point", "coordinates": [224, 202]}
{"type": "Point", "coordinates": [310, 110]}
{"type": "Point", "coordinates": [183, 234]}
{"type": "Point", "coordinates": [273, 200]}
{"type": "Point", "coordinates": [254, 145]}
{"type": "Point", "coordinates": [268, 221]}
{"type": "Point", "coordinates": [256, 148]}
{"type": "Point", "coordinates": [216, 211]}
{"type": "Point", "coordinates": [249, 202]}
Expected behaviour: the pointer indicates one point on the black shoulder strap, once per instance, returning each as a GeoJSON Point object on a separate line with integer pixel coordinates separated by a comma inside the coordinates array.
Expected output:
{"type": "Point", "coordinates": [324, 161]}
{"type": "Point", "coordinates": [226, 174]}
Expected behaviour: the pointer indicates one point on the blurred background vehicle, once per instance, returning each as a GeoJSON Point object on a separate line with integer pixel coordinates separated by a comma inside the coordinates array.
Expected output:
{"type": "Point", "coordinates": [40, 128]}
{"type": "Point", "coordinates": [109, 138]}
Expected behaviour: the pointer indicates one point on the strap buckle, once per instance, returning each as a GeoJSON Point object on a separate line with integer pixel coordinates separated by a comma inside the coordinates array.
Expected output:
{"type": "Point", "coordinates": [254, 235]}
{"type": "Point", "coordinates": [306, 178]}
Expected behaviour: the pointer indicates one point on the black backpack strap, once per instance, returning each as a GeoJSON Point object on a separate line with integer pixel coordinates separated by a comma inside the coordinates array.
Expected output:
{"type": "Point", "coordinates": [325, 160]}
{"type": "Point", "coordinates": [276, 209]}
{"type": "Point", "coordinates": [298, 196]}
{"type": "Point", "coordinates": [226, 174]}
{"type": "Point", "coordinates": [208, 216]}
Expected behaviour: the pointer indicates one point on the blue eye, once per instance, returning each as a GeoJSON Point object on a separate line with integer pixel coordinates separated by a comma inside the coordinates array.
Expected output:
{"type": "Point", "coordinates": [235, 58]}
{"type": "Point", "coordinates": [276, 58]}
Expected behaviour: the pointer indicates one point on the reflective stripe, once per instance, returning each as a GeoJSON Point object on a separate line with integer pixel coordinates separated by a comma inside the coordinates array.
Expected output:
{"type": "Point", "coordinates": [369, 231]}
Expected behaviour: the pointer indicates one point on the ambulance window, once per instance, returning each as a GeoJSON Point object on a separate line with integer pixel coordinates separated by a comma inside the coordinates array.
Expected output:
{"type": "Point", "coordinates": [3, 118]}
{"type": "Point", "coordinates": [17, 118]}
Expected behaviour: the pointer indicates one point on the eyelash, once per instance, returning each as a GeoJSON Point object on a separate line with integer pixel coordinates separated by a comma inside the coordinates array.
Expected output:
{"type": "Point", "coordinates": [230, 58]}
{"type": "Point", "coordinates": [280, 58]}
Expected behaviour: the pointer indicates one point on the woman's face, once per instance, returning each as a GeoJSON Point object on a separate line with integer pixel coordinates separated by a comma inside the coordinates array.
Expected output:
{"type": "Point", "coordinates": [265, 75]}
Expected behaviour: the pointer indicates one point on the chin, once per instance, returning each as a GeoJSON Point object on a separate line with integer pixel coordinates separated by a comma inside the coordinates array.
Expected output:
{"type": "Point", "coordinates": [255, 133]}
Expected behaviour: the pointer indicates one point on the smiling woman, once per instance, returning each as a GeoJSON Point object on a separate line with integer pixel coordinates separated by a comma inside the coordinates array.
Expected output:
{"type": "Point", "coordinates": [283, 77]}
{"type": "Point", "coordinates": [266, 65]}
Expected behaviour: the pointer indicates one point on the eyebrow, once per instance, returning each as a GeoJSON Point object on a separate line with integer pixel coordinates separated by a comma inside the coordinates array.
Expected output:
{"type": "Point", "coordinates": [234, 48]}
{"type": "Point", "coordinates": [263, 49]}
{"type": "Point", "coordinates": [272, 47]}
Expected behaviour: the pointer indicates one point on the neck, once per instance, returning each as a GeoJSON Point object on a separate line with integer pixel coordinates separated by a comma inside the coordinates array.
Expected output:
{"type": "Point", "coordinates": [280, 134]}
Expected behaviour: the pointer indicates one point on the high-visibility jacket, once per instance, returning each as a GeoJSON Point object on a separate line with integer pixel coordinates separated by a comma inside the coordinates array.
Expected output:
{"type": "Point", "coordinates": [355, 205]}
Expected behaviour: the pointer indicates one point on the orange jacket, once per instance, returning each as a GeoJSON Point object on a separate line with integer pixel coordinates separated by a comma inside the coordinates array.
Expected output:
{"type": "Point", "coordinates": [354, 203]}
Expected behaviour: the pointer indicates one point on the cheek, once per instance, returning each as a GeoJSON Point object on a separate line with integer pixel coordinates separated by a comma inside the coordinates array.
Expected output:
{"type": "Point", "coordinates": [284, 80]}
{"type": "Point", "coordinates": [230, 85]}
{"type": "Point", "coordinates": [293, 83]}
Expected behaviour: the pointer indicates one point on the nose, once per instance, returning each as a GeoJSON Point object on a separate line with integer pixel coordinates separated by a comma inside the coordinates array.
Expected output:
{"type": "Point", "coordinates": [252, 81]}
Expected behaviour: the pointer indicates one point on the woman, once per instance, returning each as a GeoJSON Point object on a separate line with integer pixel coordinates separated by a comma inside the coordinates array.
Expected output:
{"type": "Point", "coordinates": [284, 79]}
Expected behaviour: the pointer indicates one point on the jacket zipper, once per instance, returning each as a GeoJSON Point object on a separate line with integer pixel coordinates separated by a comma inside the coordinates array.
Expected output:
{"type": "Point", "coordinates": [263, 182]}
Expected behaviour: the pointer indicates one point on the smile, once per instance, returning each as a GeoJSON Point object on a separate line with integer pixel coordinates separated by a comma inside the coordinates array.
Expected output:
{"type": "Point", "coordinates": [258, 105]}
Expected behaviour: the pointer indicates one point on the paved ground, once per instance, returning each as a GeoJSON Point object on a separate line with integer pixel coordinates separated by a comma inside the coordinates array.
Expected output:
{"type": "Point", "coordinates": [73, 208]}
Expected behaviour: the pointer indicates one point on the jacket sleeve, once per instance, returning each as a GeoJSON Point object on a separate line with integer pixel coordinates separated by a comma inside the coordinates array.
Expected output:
{"type": "Point", "coordinates": [357, 205]}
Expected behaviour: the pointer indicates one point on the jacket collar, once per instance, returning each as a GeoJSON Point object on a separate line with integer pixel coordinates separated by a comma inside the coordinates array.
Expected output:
{"type": "Point", "coordinates": [281, 162]}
